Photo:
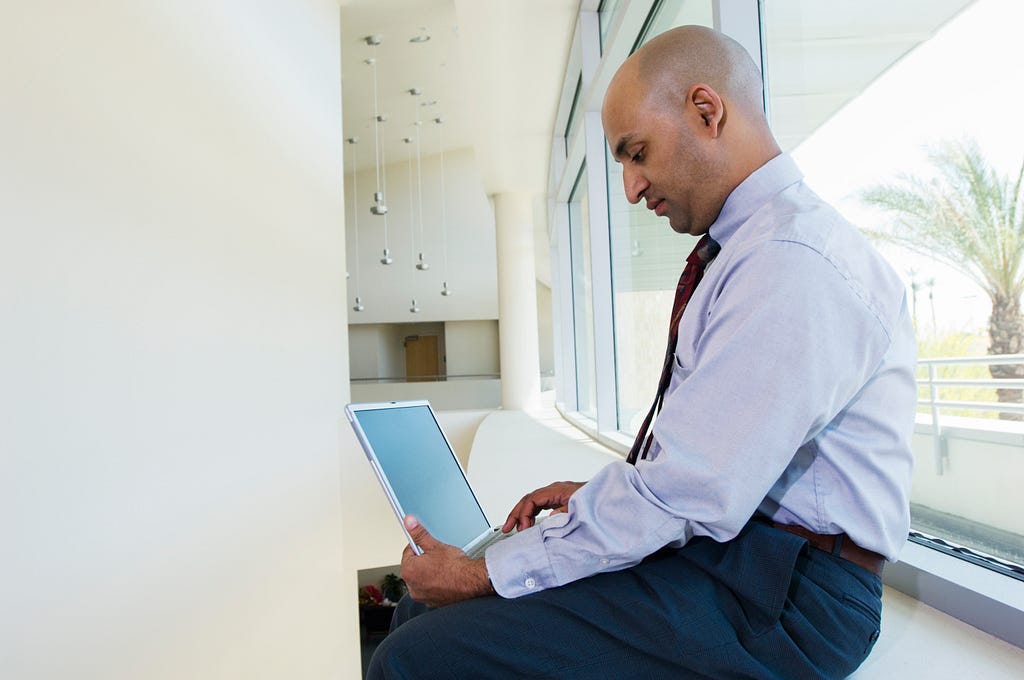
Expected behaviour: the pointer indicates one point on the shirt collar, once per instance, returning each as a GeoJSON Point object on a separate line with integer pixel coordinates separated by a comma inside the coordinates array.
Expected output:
{"type": "Point", "coordinates": [753, 192]}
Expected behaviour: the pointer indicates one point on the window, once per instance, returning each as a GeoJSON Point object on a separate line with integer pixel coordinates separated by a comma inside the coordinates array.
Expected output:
{"type": "Point", "coordinates": [840, 100]}
{"type": "Point", "coordinates": [606, 14]}
{"type": "Point", "coordinates": [864, 95]}
{"type": "Point", "coordinates": [647, 258]}
{"type": "Point", "coordinates": [671, 13]}
{"type": "Point", "coordinates": [582, 298]}
{"type": "Point", "coordinates": [574, 113]}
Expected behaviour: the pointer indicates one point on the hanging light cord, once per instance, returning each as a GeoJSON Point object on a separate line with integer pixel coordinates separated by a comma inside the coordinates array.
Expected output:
{"type": "Point", "coordinates": [384, 187]}
{"type": "Point", "coordinates": [444, 202]}
{"type": "Point", "coordinates": [419, 176]}
{"type": "Point", "coordinates": [376, 119]}
{"type": "Point", "coordinates": [412, 221]}
{"type": "Point", "coordinates": [355, 204]}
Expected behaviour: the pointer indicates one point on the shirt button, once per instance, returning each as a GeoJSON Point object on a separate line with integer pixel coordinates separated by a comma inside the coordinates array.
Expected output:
{"type": "Point", "coordinates": [530, 582]}
{"type": "Point", "coordinates": [604, 560]}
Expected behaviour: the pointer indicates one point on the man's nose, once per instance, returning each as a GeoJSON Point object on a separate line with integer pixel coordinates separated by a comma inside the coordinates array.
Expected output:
{"type": "Point", "coordinates": [635, 185]}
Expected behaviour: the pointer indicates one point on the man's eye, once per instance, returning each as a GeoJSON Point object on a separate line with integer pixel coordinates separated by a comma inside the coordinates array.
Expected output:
{"type": "Point", "coordinates": [637, 157]}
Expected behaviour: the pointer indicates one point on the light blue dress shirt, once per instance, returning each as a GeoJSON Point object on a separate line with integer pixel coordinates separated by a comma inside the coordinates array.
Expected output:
{"type": "Point", "coordinates": [793, 394]}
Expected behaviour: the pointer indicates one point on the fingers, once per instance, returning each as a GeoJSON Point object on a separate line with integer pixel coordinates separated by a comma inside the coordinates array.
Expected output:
{"type": "Point", "coordinates": [419, 534]}
{"type": "Point", "coordinates": [553, 496]}
{"type": "Point", "coordinates": [521, 516]}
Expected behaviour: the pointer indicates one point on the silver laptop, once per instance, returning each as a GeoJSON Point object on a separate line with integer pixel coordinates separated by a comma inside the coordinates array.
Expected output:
{"type": "Point", "coordinates": [420, 474]}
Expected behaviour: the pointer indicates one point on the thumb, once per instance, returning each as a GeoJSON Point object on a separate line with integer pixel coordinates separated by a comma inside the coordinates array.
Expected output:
{"type": "Point", "coordinates": [419, 533]}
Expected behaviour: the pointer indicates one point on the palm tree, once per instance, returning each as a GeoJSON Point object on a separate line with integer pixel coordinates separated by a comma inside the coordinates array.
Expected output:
{"type": "Point", "coordinates": [972, 218]}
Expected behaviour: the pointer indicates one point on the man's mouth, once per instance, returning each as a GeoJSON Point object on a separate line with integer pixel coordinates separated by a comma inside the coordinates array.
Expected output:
{"type": "Point", "coordinates": [658, 207]}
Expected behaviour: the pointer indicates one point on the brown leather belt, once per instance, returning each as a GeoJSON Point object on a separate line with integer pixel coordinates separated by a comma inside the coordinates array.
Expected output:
{"type": "Point", "coordinates": [847, 549]}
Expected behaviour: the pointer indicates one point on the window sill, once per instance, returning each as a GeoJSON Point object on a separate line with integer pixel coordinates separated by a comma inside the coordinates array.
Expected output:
{"type": "Point", "coordinates": [615, 441]}
{"type": "Point", "coordinates": [989, 601]}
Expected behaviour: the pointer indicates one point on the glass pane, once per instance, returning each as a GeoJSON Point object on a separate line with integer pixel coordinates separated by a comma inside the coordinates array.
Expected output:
{"type": "Point", "coordinates": [868, 98]}
{"type": "Point", "coordinates": [647, 258]}
{"type": "Point", "coordinates": [582, 297]}
{"type": "Point", "coordinates": [606, 13]}
{"type": "Point", "coordinates": [672, 13]}
{"type": "Point", "coordinates": [575, 114]}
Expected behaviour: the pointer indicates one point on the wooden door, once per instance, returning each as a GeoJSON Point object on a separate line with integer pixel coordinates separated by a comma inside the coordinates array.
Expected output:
{"type": "Point", "coordinates": [421, 363]}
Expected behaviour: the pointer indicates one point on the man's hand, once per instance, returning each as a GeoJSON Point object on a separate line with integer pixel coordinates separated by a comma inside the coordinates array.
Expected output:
{"type": "Point", "coordinates": [443, 574]}
{"type": "Point", "coordinates": [554, 497]}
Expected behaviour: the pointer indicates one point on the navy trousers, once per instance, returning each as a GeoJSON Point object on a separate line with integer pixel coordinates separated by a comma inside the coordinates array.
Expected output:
{"type": "Point", "coordinates": [764, 605]}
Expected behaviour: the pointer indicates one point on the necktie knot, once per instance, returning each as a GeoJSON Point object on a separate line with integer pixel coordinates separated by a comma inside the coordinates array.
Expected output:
{"type": "Point", "coordinates": [705, 251]}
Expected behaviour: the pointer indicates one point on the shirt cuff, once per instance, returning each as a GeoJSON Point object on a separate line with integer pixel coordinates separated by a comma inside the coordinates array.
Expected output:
{"type": "Point", "coordinates": [518, 565]}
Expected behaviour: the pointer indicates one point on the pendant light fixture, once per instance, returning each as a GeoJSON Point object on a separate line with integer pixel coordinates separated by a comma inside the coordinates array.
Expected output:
{"type": "Point", "coordinates": [386, 259]}
{"type": "Point", "coordinates": [445, 290]}
{"type": "Point", "coordinates": [412, 212]}
{"type": "Point", "coordinates": [415, 309]}
{"type": "Point", "coordinates": [383, 183]}
{"type": "Point", "coordinates": [379, 207]}
{"type": "Point", "coordinates": [422, 265]}
{"type": "Point", "coordinates": [358, 307]}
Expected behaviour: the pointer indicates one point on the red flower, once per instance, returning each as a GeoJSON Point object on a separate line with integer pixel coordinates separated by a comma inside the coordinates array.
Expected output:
{"type": "Point", "coordinates": [374, 593]}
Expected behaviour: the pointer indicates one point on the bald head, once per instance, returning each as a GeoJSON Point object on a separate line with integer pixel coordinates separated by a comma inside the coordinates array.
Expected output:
{"type": "Point", "coordinates": [684, 115]}
{"type": "Point", "coordinates": [673, 61]}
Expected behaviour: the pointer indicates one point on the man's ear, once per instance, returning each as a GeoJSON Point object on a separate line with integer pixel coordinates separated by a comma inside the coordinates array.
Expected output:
{"type": "Point", "coordinates": [709, 107]}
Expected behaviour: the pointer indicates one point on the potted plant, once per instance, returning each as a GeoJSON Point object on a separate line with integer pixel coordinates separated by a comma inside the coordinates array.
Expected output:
{"type": "Point", "coordinates": [393, 588]}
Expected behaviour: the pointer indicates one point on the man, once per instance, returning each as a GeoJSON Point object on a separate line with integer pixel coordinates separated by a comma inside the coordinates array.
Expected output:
{"type": "Point", "coordinates": [744, 537]}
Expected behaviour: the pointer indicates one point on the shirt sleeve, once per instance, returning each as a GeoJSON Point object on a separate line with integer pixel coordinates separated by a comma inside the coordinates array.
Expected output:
{"type": "Point", "coordinates": [769, 353]}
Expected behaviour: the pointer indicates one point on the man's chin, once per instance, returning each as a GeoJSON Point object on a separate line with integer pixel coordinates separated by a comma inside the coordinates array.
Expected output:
{"type": "Point", "coordinates": [687, 228]}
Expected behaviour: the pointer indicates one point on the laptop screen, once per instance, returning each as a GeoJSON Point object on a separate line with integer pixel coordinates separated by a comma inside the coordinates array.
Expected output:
{"type": "Point", "coordinates": [423, 472]}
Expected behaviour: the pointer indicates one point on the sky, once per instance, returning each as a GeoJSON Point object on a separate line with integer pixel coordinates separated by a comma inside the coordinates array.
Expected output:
{"type": "Point", "coordinates": [965, 82]}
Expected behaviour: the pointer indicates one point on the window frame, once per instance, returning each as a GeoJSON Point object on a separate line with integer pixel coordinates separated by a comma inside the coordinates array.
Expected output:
{"type": "Point", "coordinates": [983, 598]}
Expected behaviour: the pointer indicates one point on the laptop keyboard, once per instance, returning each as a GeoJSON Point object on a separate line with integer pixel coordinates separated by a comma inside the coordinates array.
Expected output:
{"type": "Point", "coordinates": [478, 551]}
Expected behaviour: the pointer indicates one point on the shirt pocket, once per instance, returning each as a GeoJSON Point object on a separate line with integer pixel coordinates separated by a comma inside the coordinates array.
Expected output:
{"type": "Point", "coordinates": [682, 363]}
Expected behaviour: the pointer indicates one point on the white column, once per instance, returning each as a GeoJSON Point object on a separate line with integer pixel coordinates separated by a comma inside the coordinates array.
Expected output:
{"type": "Point", "coordinates": [517, 301]}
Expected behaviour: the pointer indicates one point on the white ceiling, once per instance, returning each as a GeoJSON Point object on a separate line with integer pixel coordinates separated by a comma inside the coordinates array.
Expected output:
{"type": "Point", "coordinates": [493, 68]}
{"type": "Point", "coordinates": [821, 55]}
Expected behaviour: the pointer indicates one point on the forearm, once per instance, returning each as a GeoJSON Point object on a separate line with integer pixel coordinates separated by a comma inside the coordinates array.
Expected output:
{"type": "Point", "coordinates": [463, 580]}
{"type": "Point", "coordinates": [598, 533]}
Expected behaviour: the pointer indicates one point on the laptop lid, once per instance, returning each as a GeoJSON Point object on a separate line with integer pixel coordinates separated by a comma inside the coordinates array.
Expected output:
{"type": "Point", "coordinates": [418, 468]}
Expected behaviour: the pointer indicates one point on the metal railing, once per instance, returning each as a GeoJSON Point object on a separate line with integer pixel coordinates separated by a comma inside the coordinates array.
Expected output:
{"type": "Point", "coordinates": [935, 404]}
{"type": "Point", "coordinates": [449, 377]}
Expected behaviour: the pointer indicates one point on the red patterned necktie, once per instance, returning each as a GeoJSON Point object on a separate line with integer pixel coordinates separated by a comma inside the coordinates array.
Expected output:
{"type": "Point", "coordinates": [702, 253]}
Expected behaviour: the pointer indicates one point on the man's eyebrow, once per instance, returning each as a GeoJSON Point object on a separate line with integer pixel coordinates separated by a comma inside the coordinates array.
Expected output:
{"type": "Point", "coordinates": [620, 148]}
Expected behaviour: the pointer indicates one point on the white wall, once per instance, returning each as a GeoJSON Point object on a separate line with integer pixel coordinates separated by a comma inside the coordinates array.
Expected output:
{"type": "Point", "coordinates": [387, 291]}
{"type": "Point", "coordinates": [472, 347]}
{"type": "Point", "coordinates": [364, 351]}
{"type": "Point", "coordinates": [172, 359]}
{"type": "Point", "coordinates": [983, 467]}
